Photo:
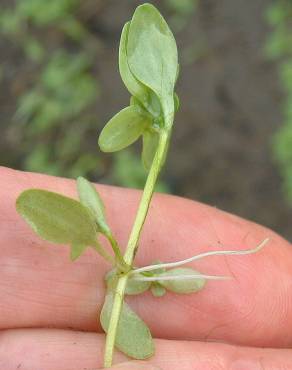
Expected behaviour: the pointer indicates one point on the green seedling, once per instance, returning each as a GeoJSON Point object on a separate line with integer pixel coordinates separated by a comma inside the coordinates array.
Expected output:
{"type": "Point", "coordinates": [148, 63]}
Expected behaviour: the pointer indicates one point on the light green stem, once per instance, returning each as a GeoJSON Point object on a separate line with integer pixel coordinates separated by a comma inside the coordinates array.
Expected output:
{"type": "Point", "coordinates": [133, 244]}
{"type": "Point", "coordinates": [121, 264]}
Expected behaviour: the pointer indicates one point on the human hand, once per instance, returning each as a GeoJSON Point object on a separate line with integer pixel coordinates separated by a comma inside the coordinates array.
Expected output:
{"type": "Point", "coordinates": [49, 306]}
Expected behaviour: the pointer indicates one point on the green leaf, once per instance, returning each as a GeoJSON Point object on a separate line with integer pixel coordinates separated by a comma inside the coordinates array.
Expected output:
{"type": "Point", "coordinates": [123, 129]}
{"type": "Point", "coordinates": [157, 290]}
{"type": "Point", "coordinates": [150, 144]}
{"type": "Point", "coordinates": [90, 198]}
{"type": "Point", "coordinates": [57, 218]}
{"type": "Point", "coordinates": [133, 336]}
{"type": "Point", "coordinates": [137, 287]}
{"type": "Point", "coordinates": [136, 88]}
{"type": "Point", "coordinates": [152, 55]}
{"type": "Point", "coordinates": [182, 286]}
{"type": "Point", "coordinates": [76, 250]}
{"type": "Point", "coordinates": [154, 106]}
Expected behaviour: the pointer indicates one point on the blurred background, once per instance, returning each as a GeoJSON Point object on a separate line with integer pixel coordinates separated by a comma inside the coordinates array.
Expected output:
{"type": "Point", "coordinates": [232, 143]}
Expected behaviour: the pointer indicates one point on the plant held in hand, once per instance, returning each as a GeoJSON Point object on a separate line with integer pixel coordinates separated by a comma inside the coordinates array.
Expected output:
{"type": "Point", "coordinates": [148, 64]}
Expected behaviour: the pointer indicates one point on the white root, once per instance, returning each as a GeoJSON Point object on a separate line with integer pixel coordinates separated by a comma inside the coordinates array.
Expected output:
{"type": "Point", "coordinates": [180, 277]}
{"type": "Point", "coordinates": [198, 257]}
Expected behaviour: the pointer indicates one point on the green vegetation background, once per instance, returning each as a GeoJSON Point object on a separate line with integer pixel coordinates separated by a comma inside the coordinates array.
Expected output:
{"type": "Point", "coordinates": [232, 144]}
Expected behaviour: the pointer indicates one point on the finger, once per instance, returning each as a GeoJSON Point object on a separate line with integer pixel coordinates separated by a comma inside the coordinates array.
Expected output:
{"type": "Point", "coordinates": [34, 349]}
{"type": "Point", "coordinates": [39, 286]}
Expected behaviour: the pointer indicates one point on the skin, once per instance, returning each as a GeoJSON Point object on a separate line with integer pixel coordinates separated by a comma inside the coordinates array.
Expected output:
{"type": "Point", "coordinates": [49, 306]}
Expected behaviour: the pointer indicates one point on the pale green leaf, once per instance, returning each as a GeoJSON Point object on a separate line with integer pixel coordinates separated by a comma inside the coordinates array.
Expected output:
{"type": "Point", "coordinates": [123, 129]}
{"type": "Point", "coordinates": [188, 285]}
{"type": "Point", "coordinates": [136, 88]}
{"type": "Point", "coordinates": [89, 197]}
{"type": "Point", "coordinates": [137, 287]}
{"type": "Point", "coordinates": [57, 218]}
{"type": "Point", "coordinates": [152, 55]}
{"type": "Point", "coordinates": [157, 290]}
{"type": "Point", "coordinates": [133, 336]}
{"type": "Point", "coordinates": [150, 144]}
{"type": "Point", "coordinates": [76, 250]}
{"type": "Point", "coordinates": [154, 106]}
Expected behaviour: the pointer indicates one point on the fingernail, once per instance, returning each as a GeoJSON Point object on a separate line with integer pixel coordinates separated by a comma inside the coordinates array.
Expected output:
{"type": "Point", "coordinates": [134, 365]}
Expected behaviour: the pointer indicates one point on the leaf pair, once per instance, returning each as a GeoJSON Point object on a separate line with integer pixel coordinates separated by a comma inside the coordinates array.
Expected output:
{"type": "Point", "coordinates": [148, 65]}
{"type": "Point", "coordinates": [148, 60]}
{"type": "Point", "coordinates": [133, 336]}
{"type": "Point", "coordinates": [63, 220]}
{"type": "Point", "coordinates": [178, 280]}
{"type": "Point", "coordinates": [152, 56]}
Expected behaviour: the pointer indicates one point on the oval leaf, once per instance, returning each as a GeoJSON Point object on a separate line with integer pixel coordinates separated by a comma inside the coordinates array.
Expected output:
{"type": "Point", "coordinates": [182, 286]}
{"type": "Point", "coordinates": [152, 55]}
{"type": "Point", "coordinates": [123, 129]}
{"type": "Point", "coordinates": [90, 198]}
{"type": "Point", "coordinates": [133, 336]}
{"type": "Point", "coordinates": [136, 88]}
{"type": "Point", "coordinates": [57, 218]}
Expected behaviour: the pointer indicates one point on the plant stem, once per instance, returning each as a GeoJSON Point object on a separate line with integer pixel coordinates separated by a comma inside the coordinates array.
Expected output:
{"type": "Point", "coordinates": [122, 265]}
{"type": "Point", "coordinates": [133, 245]}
